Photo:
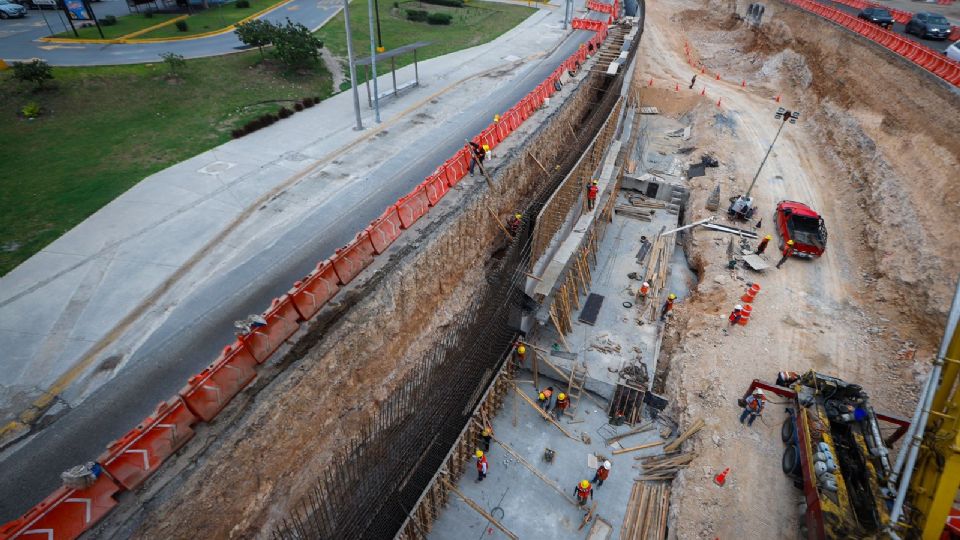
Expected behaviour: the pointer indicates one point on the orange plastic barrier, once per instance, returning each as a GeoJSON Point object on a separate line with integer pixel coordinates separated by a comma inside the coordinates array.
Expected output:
{"type": "Point", "coordinates": [436, 187]}
{"type": "Point", "coordinates": [134, 457]}
{"type": "Point", "coordinates": [321, 285]}
{"type": "Point", "coordinates": [208, 392]}
{"type": "Point", "coordinates": [384, 230]}
{"type": "Point", "coordinates": [355, 256]}
{"type": "Point", "coordinates": [413, 206]}
{"type": "Point", "coordinates": [66, 513]}
{"type": "Point", "coordinates": [282, 321]}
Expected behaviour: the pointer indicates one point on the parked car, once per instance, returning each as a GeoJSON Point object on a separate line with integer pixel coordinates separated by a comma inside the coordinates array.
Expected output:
{"type": "Point", "coordinates": [953, 51]}
{"type": "Point", "coordinates": [800, 223]}
{"type": "Point", "coordinates": [929, 25]}
{"type": "Point", "coordinates": [11, 10]}
{"type": "Point", "coordinates": [877, 15]}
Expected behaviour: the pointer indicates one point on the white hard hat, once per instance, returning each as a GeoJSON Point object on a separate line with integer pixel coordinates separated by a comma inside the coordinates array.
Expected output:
{"type": "Point", "coordinates": [738, 307]}
{"type": "Point", "coordinates": [758, 391]}
{"type": "Point", "coordinates": [606, 465]}
{"type": "Point", "coordinates": [645, 284]}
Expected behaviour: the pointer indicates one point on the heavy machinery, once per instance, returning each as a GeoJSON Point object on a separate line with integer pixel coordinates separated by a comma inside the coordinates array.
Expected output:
{"type": "Point", "coordinates": [836, 454]}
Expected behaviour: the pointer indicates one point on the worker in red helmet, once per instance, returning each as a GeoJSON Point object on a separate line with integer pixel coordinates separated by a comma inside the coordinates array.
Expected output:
{"type": "Point", "coordinates": [481, 466]}
{"type": "Point", "coordinates": [583, 491]}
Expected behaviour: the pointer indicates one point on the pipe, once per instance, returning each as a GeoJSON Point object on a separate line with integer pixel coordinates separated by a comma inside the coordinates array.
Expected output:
{"type": "Point", "coordinates": [924, 406]}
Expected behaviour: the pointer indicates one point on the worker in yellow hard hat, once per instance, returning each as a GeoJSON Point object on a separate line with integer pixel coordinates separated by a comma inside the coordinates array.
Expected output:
{"type": "Point", "coordinates": [544, 398]}
{"type": "Point", "coordinates": [762, 246]}
{"type": "Point", "coordinates": [481, 466]}
{"type": "Point", "coordinates": [583, 491]}
{"type": "Point", "coordinates": [515, 223]}
{"type": "Point", "coordinates": [787, 252]}
{"type": "Point", "coordinates": [561, 406]}
{"type": "Point", "coordinates": [521, 354]}
{"type": "Point", "coordinates": [485, 437]}
{"type": "Point", "coordinates": [592, 191]}
{"type": "Point", "coordinates": [667, 306]}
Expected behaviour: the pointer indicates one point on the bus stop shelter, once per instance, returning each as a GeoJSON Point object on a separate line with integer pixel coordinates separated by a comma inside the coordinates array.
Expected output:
{"type": "Point", "coordinates": [391, 55]}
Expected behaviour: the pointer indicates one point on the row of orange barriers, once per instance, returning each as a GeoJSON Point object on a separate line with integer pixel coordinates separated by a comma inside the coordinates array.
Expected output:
{"type": "Point", "coordinates": [899, 15]}
{"type": "Point", "coordinates": [130, 460]}
{"type": "Point", "coordinates": [923, 56]}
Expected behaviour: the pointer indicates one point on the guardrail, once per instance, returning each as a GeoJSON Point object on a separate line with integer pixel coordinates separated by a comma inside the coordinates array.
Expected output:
{"type": "Point", "coordinates": [919, 54]}
{"type": "Point", "coordinates": [899, 15]}
{"type": "Point", "coordinates": [129, 461]}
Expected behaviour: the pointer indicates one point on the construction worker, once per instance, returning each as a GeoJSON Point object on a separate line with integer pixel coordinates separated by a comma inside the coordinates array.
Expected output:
{"type": "Point", "coordinates": [582, 491]}
{"type": "Point", "coordinates": [787, 251]}
{"type": "Point", "coordinates": [667, 306]}
{"type": "Point", "coordinates": [736, 315]}
{"type": "Point", "coordinates": [693, 81]}
{"type": "Point", "coordinates": [592, 190]}
{"type": "Point", "coordinates": [644, 290]}
{"type": "Point", "coordinates": [602, 472]}
{"type": "Point", "coordinates": [521, 354]}
{"type": "Point", "coordinates": [515, 223]}
{"type": "Point", "coordinates": [786, 378]}
{"type": "Point", "coordinates": [486, 152]}
{"type": "Point", "coordinates": [762, 246]}
{"type": "Point", "coordinates": [754, 406]}
{"type": "Point", "coordinates": [476, 155]}
{"type": "Point", "coordinates": [485, 436]}
{"type": "Point", "coordinates": [544, 398]}
{"type": "Point", "coordinates": [561, 406]}
{"type": "Point", "coordinates": [481, 466]}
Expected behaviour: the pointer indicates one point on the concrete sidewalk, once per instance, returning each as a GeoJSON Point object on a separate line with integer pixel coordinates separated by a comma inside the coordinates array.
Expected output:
{"type": "Point", "coordinates": [74, 315]}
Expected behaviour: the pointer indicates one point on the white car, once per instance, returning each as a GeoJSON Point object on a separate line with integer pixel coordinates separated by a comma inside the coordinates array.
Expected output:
{"type": "Point", "coordinates": [9, 9]}
{"type": "Point", "coordinates": [953, 51]}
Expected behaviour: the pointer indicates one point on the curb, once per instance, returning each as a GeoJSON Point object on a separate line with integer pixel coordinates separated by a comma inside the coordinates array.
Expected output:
{"type": "Point", "coordinates": [123, 39]}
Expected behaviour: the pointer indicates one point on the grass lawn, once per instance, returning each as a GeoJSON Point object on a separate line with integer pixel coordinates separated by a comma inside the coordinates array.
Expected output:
{"type": "Point", "coordinates": [211, 19]}
{"type": "Point", "coordinates": [125, 25]}
{"type": "Point", "coordinates": [476, 23]}
{"type": "Point", "coordinates": [104, 129]}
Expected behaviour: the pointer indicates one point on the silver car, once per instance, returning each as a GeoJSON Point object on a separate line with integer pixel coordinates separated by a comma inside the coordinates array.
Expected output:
{"type": "Point", "coordinates": [10, 10]}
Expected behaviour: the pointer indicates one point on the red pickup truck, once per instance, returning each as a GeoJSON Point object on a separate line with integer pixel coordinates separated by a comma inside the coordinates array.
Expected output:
{"type": "Point", "coordinates": [800, 223]}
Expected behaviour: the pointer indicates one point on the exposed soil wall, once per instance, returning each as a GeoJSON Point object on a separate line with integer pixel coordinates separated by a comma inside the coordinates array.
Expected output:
{"type": "Point", "coordinates": [264, 455]}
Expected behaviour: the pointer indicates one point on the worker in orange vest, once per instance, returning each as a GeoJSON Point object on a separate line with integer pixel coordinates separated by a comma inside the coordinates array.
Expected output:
{"type": "Point", "coordinates": [521, 354]}
{"type": "Point", "coordinates": [592, 194]}
{"type": "Point", "coordinates": [763, 244]}
{"type": "Point", "coordinates": [603, 471]}
{"type": "Point", "coordinates": [787, 251]}
{"type": "Point", "coordinates": [583, 491]}
{"type": "Point", "coordinates": [644, 290]}
{"type": "Point", "coordinates": [481, 466]}
{"type": "Point", "coordinates": [561, 406]}
{"type": "Point", "coordinates": [667, 306]}
{"type": "Point", "coordinates": [736, 315]}
{"type": "Point", "coordinates": [544, 398]}
{"type": "Point", "coordinates": [754, 406]}
{"type": "Point", "coordinates": [515, 223]}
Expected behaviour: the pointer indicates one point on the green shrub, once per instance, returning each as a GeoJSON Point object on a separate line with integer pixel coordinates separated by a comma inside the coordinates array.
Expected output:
{"type": "Point", "coordinates": [174, 61]}
{"type": "Point", "coordinates": [35, 71]}
{"type": "Point", "coordinates": [416, 15]}
{"type": "Point", "coordinates": [450, 3]}
{"type": "Point", "coordinates": [243, 3]}
{"type": "Point", "coordinates": [31, 110]}
{"type": "Point", "coordinates": [439, 18]}
{"type": "Point", "coordinates": [182, 26]}
{"type": "Point", "coordinates": [295, 45]}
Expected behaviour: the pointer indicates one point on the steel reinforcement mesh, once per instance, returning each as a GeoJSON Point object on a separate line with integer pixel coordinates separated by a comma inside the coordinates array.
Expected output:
{"type": "Point", "coordinates": [369, 490]}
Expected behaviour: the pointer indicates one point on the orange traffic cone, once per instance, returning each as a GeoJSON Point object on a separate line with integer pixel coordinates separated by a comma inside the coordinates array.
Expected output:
{"type": "Point", "coordinates": [704, 91]}
{"type": "Point", "coordinates": [718, 76]}
{"type": "Point", "coordinates": [743, 83]}
{"type": "Point", "coordinates": [745, 315]}
{"type": "Point", "coordinates": [677, 89]}
{"type": "Point", "coordinates": [778, 98]}
{"type": "Point", "coordinates": [721, 478]}
{"type": "Point", "coordinates": [718, 102]}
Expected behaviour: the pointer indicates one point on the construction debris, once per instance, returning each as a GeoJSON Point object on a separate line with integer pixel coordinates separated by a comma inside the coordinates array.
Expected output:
{"type": "Point", "coordinates": [713, 202]}
{"type": "Point", "coordinates": [647, 508]}
{"type": "Point", "coordinates": [664, 467]}
{"type": "Point", "coordinates": [645, 427]}
{"type": "Point", "coordinates": [691, 431]}
{"type": "Point", "coordinates": [649, 110]}
{"type": "Point", "coordinates": [635, 448]}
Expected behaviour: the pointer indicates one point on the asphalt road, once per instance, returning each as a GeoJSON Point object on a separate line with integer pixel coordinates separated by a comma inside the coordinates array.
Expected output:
{"type": "Point", "coordinates": [197, 329]}
{"type": "Point", "coordinates": [898, 28]}
{"type": "Point", "coordinates": [18, 36]}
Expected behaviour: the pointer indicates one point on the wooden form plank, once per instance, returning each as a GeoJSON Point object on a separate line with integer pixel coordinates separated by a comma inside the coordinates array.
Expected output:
{"type": "Point", "coordinates": [479, 509]}
{"type": "Point", "coordinates": [542, 412]}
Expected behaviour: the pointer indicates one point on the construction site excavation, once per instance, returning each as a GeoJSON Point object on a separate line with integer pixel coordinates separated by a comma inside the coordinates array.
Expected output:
{"type": "Point", "coordinates": [699, 284]}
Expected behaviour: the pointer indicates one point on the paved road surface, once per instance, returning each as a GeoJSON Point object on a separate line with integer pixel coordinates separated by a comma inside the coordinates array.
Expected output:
{"type": "Point", "coordinates": [18, 36]}
{"type": "Point", "coordinates": [197, 329]}
{"type": "Point", "coordinates": [899, 28]}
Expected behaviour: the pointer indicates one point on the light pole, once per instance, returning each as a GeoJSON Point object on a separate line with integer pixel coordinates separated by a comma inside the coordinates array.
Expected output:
{"type": "Point", "coordinates": [373, 63]}
{"type": "Point", "coordinates": [742, 206]}
{"type": "Point", "coordinates": [353, 68]}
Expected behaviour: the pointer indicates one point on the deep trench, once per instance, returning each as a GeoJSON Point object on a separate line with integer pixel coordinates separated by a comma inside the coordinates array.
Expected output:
{"type": "Point", "coordinates": [381, 475]}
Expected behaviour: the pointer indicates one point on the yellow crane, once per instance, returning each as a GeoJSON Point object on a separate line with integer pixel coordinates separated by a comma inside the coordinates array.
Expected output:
{"type": "Point", "coordinates": [930, 459]}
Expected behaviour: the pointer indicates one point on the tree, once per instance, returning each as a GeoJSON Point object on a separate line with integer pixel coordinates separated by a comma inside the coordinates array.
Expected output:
{"type": "Point", "coordinates": [174, 61]}
{"type": "Point", "coordinates": [256, 33]}
{"type": "Point", "coordinates": [36, 71]}
{"type": "Point", "coordinates": [295, 46]}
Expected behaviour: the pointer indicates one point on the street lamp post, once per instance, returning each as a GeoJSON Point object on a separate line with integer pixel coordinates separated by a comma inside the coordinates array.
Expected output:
{"type": "Point", "coordinates": [373, 63]}
{"type": "Point", "coordinates": [742, 206]}
{"type": "Point", "coordinates": [353, 67]}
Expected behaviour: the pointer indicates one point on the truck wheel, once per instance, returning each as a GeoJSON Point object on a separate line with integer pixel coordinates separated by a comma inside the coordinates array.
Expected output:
{"type": "Point", "coordinates": [790, 463]}
{"type": "Point", "coordinates": [787, 430]}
